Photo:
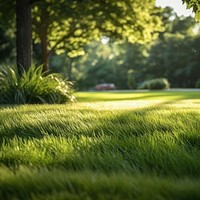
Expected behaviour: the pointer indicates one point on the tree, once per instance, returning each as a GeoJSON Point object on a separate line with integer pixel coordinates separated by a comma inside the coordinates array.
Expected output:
{"type": "Point", "coordinates": [68, 25]}
{"type": "Point", "coordinates": [23, 34]}
{"type": "Point", "coordinates": [17, 15]}
{"type": "Point", "coordinates": [195, 5]}
{"type": "Point", "coordinates": [175, 54]}
{"type": "Point", "coordinates": [7, 44]}
{"type": "Point", "coordinates": [109, 62]}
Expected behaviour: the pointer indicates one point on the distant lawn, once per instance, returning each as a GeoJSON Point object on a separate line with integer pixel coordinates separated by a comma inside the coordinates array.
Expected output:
{"type": "Point", "coordinates": [137, 95]}
{"type": "Point", "coordinates": [139, 146]}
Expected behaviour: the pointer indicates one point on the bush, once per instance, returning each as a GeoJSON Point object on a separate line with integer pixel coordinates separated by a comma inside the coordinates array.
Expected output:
{"type": "Point", "coordinates": [33, 87]}
{"type": "Point", "coordinates": [197, 84]}
{"type": "Point", "coordinates": [155, 84]}
{"type": "Point", "coordinates": [144, 85]}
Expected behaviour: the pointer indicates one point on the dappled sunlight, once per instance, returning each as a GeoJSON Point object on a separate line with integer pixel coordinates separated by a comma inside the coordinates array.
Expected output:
{"type": "Point", "coordinates": [135, 100]}
{"type": "Point", "coordinates": [187, 104]}
{"type": "Point", "coordinates": [71, 144]}
{"type": "Point", "coordinates": [140, 104]}
{"type": "Point", "coordinates": [112, 111]}
{"type": "Point", "coordinates": [121, 105]}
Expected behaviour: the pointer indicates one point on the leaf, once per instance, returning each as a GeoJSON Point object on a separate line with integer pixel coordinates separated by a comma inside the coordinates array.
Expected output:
{"type": "Point", "coordinates": [197, 16]}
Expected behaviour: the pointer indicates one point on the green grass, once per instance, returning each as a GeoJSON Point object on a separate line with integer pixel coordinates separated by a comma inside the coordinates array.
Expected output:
{"type": "Point", "coordinates": [138, 95]}
{"type": "Point", "coordinates": [140, 146]}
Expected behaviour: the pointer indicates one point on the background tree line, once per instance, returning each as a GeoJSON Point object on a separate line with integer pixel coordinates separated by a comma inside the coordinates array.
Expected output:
{"type": "Point", "coordinates": [175, 55]}
{"type": "Point", "coordinates": [72, 40]}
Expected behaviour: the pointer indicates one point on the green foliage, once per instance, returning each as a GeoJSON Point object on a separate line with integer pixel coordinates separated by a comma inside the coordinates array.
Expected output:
{"type": "Point", "coordinates": [195, 5]}
{"type": "Point", "coordinates": [198, 84]}
{"type": "Point", "coordinates": [155, 84]}
{"type": "Point", "coordinates": [131, 80]}
{"type": "Point", "coordinates": [33, 86]}
{"type": "Point", "coordinates": [184, 26]}
{"type": "Point", "coordinates": [175, 54]}
{"type": "Point", "coordinates": [70, 24]}
{"type": "Point", "coordinates": [66, 26]}
{"type": "Point", "coordinates": [109, 63]}
{"type": "Point", "coordinates": [6, 44]}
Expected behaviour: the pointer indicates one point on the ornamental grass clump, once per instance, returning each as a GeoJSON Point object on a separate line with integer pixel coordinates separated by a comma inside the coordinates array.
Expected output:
{"type": "Point", "coordinates": [33, 87]}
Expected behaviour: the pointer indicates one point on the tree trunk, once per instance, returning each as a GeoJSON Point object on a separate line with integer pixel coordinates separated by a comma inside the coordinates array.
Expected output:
{"type": "Point", "coordinates": [23, 35]}
{"type": "Point", "coordinates": [70, 69]}
{"type": "Point", "coordinates": [43, 34]}
{"type": "Point", "coordinates": [45, 52]}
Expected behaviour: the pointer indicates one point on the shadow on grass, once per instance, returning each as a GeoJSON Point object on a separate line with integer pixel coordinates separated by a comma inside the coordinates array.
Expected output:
{"type": "Point", "coordinates": [42, 126]}
{"type": "Point", "coordinates": [144, 139]}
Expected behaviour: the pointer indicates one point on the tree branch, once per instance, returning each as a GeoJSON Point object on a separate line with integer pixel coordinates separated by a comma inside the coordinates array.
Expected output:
{"type": "Point", "coordinates": [34, 1]}
{"type": "Point", "coordinates": [62, 39]}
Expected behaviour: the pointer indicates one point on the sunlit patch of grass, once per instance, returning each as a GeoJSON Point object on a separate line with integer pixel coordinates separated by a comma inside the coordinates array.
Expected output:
{"type": "Point", "coordinates": [122, 105]}
{"type": "Point", "coordinates": [137, 95]}
{"type": "Point", "coordinates": [128, 149]}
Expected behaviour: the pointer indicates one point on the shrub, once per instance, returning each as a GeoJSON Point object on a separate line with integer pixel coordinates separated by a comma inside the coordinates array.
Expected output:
{"type": "Point", "coordinates": [158, 83]}
{"type": "Point", "coordinates": [144, 85]}
{"type": "Point", "coordinates": [197, 84]}
{"type": "Point", "coordinates": [33, 87]}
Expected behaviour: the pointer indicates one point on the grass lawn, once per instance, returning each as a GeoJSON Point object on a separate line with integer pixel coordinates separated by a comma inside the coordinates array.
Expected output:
{"type": "Point", "coordinates": [108, 145]}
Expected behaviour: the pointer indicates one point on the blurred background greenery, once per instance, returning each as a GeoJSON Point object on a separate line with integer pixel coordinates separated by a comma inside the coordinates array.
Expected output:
{"type": "Point", "coordinates": [90, 42]}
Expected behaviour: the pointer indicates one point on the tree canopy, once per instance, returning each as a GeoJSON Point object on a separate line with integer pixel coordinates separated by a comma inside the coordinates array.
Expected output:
{"type": "Point", "coordinates": [66, 25]}
{"type": "Point", "coordinates": [63, 32]}
{"type": "Point", "coordinates": [174, 55]}
{"type": "Point", "coordinates": [195, 5]}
